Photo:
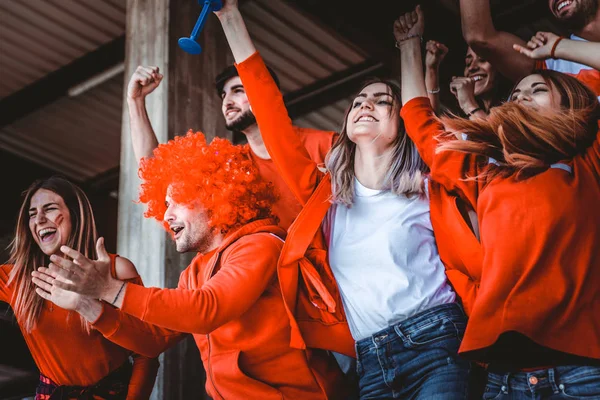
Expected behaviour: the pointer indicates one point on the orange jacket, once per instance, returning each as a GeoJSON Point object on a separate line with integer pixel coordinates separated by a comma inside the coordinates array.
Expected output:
{"type": "Point", "coordinates": [540, 245]}
{"type": "Point", "coordinates": [68, 355]}
{"type": "Point", "coordinates": [287, 207]}
{"type": "Point", "coordinates": [312, 297]}
{"type": "Point", "coordinates": [230, 300]}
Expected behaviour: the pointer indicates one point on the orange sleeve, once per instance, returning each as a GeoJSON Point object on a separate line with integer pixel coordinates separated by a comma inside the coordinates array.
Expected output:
{"type": "Point", "coordinates": [133, 334]}
{"type": "Point", "coordinates": [143, 377]}
{"type": "Point", "coordinates": [464, 286]}
{"type": "Point", "coordinates": [448, 168]}
{"type": "Point", "coordinates": [286, 149]}
{"type": "Point", "coordinates": [592, 155]}
{"type": "Point", "coordinates": [243, 276]}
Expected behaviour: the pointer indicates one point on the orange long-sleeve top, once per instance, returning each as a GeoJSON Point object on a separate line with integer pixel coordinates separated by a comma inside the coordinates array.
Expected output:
{"type": "Point", "coordinates": [540, 241]}
{"type": "Point", "coordinates": [230, 301]}
{"type": "Point", "coordinates": [317, 143]}
{"type": "Point", "coordinates": [67, 354]}
{"type": "Point", "coordinates": [325, 325]}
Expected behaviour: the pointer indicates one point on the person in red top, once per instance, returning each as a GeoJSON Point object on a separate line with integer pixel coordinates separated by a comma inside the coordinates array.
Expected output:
{"type": "Point", "coordinates": [238, 118]}
{"type": "Point", "coordinates": [577, 56]}
{"type": "Point", "coordinates": [72, 356]}
{"type": "Point", "coordinates": [214, 202]}
{"type": "Point", "coordinates": [375, 277]}
{"type": "Point", "coordinates": [532, 170]}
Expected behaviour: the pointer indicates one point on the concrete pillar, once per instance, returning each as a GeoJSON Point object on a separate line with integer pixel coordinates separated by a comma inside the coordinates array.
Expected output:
{"type": "Point", "coordinates": [186, 99]}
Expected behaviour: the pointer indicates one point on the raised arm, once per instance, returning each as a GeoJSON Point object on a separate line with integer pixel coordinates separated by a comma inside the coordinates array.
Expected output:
{"type": "Point", "coordinates": [496, 46]}
{"type": "Point", "coordinates": [447, 168]}
{"type": "Point", "coordinates": [545, 45]}
{"type": "Point", "coordinates": [245, 272]}
{"type": "Point", "coordinates": [286, 149]}
{"type": "Point", "coordinates": [435, 53]}
{"type": "Point", "coordinates": [143, 82]}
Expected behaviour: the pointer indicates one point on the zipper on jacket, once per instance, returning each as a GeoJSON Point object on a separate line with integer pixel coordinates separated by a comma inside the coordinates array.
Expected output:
{"type": "Point", "coordinates": [210, 373]}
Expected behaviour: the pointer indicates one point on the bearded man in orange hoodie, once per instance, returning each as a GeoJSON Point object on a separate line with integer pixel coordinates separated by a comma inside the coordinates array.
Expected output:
{"type": "Point", "coordinates": [213, 201]}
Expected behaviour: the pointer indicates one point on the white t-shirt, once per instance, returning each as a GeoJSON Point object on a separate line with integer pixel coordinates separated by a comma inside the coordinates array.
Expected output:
{"type": "Point", "coordinates": [385, 259]}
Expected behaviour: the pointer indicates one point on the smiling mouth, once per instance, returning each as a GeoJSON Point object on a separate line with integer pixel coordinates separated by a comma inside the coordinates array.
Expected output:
{"type": "Point", "coordinates": [231, 111]}
{"type": "Point", "coordinates": [562, 4]}
{"type": "Point", "coordinates": [176, 231]}
{"type": "Point", "coordinates": [46, 234]}
{"type": "Point", "coordinates": [477, 78]}
{"type": "Point", "coordinates": [366, 118]}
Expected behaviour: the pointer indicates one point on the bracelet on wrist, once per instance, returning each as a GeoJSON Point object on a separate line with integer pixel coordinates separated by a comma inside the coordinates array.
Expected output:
{"type": "Point", "coordinates": [473, 111]}
{"type": "Point", "coordinates": [434, 91]}
{"type": "Point", "coordinates": [408, 37]}
{"type": "Point", "coordinates": [554, 46]}
{"type": "Point", "coordinates": [118, 294]}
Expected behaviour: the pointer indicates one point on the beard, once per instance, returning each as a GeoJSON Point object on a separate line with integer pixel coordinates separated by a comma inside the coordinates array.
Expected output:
{"type": "Point", "coordinates": [244, 121]}
{"type": "Point", "coordinates": [582, 16]}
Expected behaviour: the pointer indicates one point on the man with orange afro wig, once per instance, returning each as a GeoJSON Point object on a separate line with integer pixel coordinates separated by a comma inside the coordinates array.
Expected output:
{"type": "Point", "coordinates": [214, 202]}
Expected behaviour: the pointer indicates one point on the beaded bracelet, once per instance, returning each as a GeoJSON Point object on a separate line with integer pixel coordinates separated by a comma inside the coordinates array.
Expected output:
{"type": "Point", "coordinates": [433, 91]}
{"type": "Point", "coordinates": [405, 38]}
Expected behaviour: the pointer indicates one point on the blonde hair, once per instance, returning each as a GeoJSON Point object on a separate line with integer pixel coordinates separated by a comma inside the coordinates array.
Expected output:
{"type": "Point", "coordinates": [525, 141]}
{"type": "Point", "coordinates": [26, 256]}
{"type": "Point", "coordinates": [406, 169]}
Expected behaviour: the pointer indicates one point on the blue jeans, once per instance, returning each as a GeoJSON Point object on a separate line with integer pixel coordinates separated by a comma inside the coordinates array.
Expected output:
{"type": "Point", "coordinates": [564, 382]}
{"type": "Point", "coordinates": [416, 358]}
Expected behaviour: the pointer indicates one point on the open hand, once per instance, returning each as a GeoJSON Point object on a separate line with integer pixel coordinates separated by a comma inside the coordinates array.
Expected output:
{"type": "Point", "coordinates": [435, 53]}
{"type": "Point", "coordinates": [84, 276]}
{"type": "Point", "coordinates": [539, 47]}
{"type": "Point", "coordinates": [410, 24]}
{"type": "Point", "coordinates": [143, 82]}
{"type": "Point", "coordinates": [43, 279]}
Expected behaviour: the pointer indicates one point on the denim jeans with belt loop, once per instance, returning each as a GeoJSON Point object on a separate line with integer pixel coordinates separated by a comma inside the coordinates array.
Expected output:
{"type": "Point", "coordinates": [562, 382]}
{"type": "Point", "coordinates": [416, 358]}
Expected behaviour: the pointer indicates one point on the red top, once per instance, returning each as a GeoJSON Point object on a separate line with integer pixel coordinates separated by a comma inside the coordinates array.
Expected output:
{"type": "Point", "coordinates": [287, 207]}
{"type": "Point", "coordinates": [540, 245]}
{"type": "Point", "coordinates": [68, 355]}
{"type": "Point", "coordinates": [313, 301]}
{"type": "Point", "coordinates": [230, 300]}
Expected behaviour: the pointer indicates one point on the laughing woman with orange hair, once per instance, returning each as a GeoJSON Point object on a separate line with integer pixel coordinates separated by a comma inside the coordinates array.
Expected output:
{"type": "Point", "coordinates": [75, 360]}
{"type": "Point", "coordinates": [532, 171]}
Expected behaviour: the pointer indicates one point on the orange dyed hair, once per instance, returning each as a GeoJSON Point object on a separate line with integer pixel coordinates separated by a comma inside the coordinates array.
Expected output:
{"type": "Point", "coordinates": [526, 141]}
{"type": "Point", "coordinates": [220, 176]}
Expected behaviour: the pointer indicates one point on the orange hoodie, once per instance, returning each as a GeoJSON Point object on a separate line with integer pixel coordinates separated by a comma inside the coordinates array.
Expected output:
{"type": "Point", "coordinates": [230, 300]}
{"type": "Point", "coordinates": [540, 245]}
{"type": "Point", "coordinates": [313, 301]}
{"type": "Point", "coordinates": [68, 355]}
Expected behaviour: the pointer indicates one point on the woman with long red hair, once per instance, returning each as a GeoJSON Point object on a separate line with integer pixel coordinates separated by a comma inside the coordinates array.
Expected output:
{"type": "Point", "coordinates": [75, 360]}
{"type": "Point", "coordinates": [531, 170]}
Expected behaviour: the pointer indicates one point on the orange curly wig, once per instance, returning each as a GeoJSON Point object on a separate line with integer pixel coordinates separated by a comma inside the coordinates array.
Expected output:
{"type": "Point", "coordinates": [221, 176]}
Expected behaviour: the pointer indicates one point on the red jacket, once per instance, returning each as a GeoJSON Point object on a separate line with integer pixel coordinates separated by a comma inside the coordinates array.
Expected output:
{"type": "Point", "coordinates": [68, 355]}
{"type": "Point", "coordinates": [312, 297]}
{"type": "Point", "coordinates": [230, 300]}
{"type": "Point", "coordinates": [540, 269]}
